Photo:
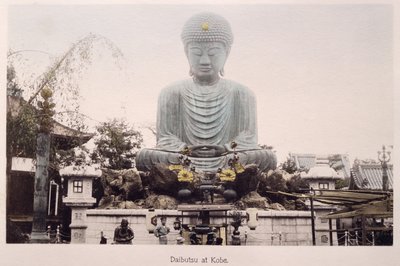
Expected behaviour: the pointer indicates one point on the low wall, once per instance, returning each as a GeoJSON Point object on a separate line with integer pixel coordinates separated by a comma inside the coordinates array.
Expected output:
{"type": "Point", "coordinates": [289, 228]}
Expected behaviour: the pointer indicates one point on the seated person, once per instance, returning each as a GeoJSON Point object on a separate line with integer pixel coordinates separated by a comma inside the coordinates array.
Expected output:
{"type": "Point", "coordinates": [210, 238]}
{"type": "Point", "coordinates": [123, 234]}
{"type": "Point", "coordinates": [194, 239]}
{"type": "Point", "coordinates": [206, 113]}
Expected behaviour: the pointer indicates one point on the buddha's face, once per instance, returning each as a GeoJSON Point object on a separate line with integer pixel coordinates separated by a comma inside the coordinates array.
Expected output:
{"type": "Point", "coordinates": [206, 60]}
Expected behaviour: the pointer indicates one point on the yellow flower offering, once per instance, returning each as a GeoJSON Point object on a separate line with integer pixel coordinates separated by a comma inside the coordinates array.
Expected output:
{"type": "Point", "coordinates": [175, 167]}
{"type": "Point", "coordinates": [185, 176]}
{"type": "Point", "coordinates": [227, 175]}
{"type": "Point", "coordinates": [238, 168]}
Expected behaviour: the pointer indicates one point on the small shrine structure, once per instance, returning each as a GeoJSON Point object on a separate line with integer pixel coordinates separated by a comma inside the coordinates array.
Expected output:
{"type": "Point", "coordinates": [322, 176]}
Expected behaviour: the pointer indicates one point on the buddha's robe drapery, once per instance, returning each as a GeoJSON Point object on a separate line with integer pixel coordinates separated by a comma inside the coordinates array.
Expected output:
{"type": "Point", "coordinates": [190, 114]}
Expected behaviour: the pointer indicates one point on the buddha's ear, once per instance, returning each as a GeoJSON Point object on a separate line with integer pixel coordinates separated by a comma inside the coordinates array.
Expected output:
{"type": "Point", "coordinates": [222, 72]}
{"type": "Point", "coordinates": [186, 47]}
{"type": "Point", "coordinates": [228, 50]}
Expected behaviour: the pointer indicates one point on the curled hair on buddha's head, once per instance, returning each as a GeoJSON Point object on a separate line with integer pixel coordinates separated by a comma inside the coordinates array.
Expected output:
{"type": "Point", "coordinates": [207, 27]}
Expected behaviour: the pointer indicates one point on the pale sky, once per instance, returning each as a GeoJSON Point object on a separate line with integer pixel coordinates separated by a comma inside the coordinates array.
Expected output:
{"type": "Point", "coordinates": [322, 75]}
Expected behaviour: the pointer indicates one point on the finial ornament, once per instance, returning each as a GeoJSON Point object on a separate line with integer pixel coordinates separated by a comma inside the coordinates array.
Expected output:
{"type": "Point", "coordinates": [204, 26]}
{"type": "Point", "coordinates": [384, 156]}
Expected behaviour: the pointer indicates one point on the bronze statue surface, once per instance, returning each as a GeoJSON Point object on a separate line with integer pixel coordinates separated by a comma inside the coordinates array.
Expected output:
{"type": "Point", "coordinates": [205, 114]}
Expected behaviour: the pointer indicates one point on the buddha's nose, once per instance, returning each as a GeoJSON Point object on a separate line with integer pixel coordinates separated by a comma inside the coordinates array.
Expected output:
{"type": "Point", "coordinates": [205, 59]}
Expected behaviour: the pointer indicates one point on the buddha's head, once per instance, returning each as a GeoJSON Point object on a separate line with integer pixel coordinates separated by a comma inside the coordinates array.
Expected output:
{"type": "Point", "coordinates": [207, 38]}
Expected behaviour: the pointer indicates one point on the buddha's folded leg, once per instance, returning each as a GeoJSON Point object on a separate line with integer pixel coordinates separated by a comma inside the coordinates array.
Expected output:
{"type": "Point", "coordinates": [147, 158]}
{"type": "Point", "coordinates": [265, 159]}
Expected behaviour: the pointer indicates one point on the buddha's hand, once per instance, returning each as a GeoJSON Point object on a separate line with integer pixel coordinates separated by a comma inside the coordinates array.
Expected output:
{"type": "Point", "coordinates": [206, 151]}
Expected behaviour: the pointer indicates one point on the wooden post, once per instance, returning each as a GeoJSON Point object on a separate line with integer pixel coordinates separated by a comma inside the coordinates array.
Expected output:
{"type": "Point", "coordinates": [330, 232]}
{"type": "Point", "coordinates": [312, 220]}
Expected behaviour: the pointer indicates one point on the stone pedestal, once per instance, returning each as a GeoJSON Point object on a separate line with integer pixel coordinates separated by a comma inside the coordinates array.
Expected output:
{"type": "Point", "coordinates": [79, 198]}
{"type": "Point", "coordinates": [78, 222]}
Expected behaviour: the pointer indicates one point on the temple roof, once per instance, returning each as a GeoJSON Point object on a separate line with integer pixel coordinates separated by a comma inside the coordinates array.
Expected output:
{"type": "Point", "coordinates": [369, 176]}
{"type": "Point", "coordinates": [339, 162]}
{"type": "Point", "coordinates": [65, 137]}
{"type": "Point", "coordinates": [80, 171]}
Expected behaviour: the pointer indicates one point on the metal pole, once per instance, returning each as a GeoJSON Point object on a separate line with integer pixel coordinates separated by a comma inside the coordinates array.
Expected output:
{"type": "Point", "coordinates": [373, 238]}
{"type": "Point", "coordinates": [312, 220]}
{"type": "Point", "coordinates": [56, 206]}
{"type": "Point", "coordinates": [346, 238]}
{"type": "Point", "coordinates": [385, 185]}
{"type": "Point", "coordinates": [58, 234]}
{"type": "Point", "coordinates": [330, 232]}
{"type": "Point", "coordinates": [226, 228]}
{"type": "Point", "coordinates": [49, 202]}
{"type": "Point", "coordinates": [357, 237]}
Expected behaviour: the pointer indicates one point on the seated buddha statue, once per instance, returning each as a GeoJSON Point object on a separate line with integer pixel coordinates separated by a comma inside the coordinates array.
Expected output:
{"type": "Point", "coordinates": [206, 113]}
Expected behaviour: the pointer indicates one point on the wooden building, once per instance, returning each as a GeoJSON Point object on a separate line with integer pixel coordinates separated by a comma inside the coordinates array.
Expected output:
{"type": "Point", "coordinates": [21, 172]}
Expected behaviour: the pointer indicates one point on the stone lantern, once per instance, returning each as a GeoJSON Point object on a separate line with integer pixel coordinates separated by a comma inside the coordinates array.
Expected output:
{"type": "Point", "coordinates": [151, 220]}
{"type": "Point", "coordinates": [252, 218]}
{"type": "Point", "coordinates": [79, 198]}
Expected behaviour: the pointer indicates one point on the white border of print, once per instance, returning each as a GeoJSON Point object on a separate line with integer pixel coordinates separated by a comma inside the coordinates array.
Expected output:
{"type": "Point", "coordinates": [150, 255]}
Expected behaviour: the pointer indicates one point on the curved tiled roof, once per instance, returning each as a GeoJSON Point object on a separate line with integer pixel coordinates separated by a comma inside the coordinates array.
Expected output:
{"type": "Point", "coordinates": [369, 176]}
{"type": "Point", "coordinates": [309, 160]}
{"type": "Point", "coordinates": [64, 135]}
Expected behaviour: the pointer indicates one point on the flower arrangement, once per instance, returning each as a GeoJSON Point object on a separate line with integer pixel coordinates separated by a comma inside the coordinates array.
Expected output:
{"type": "Point", "coordinates": [227, 175]}
{"type": "Point", "coordinates": [185, 176]}
{"type": "Point", "coordinates": [175, 167]}
{"type": "Point", "coordinates": [238, 167]}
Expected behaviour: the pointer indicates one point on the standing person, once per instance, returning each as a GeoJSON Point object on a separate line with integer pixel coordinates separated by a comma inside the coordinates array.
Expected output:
{"type": "Point", "coordinates": [162, 231]}
{"type": "Point", "coordinates": [123, 234]}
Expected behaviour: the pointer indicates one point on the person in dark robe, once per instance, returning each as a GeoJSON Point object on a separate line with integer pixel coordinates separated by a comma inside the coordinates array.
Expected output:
{"type": "Point", "coordinates": [123, 234]}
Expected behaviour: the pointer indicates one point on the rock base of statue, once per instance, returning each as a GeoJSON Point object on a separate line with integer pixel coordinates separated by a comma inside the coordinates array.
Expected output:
{"type": "Point", "coordinates": [162, 180]}
{"type": "Point", "coordinates": [247, 181]}
{"type": "Point", "coordinates": [160, 188]}
{"type": "Point", "coordinates": [163, 202]}
{"type": "Point", "coordinates": [125, 183]}
{"type": "Point", "coordinates": [252, 200]}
